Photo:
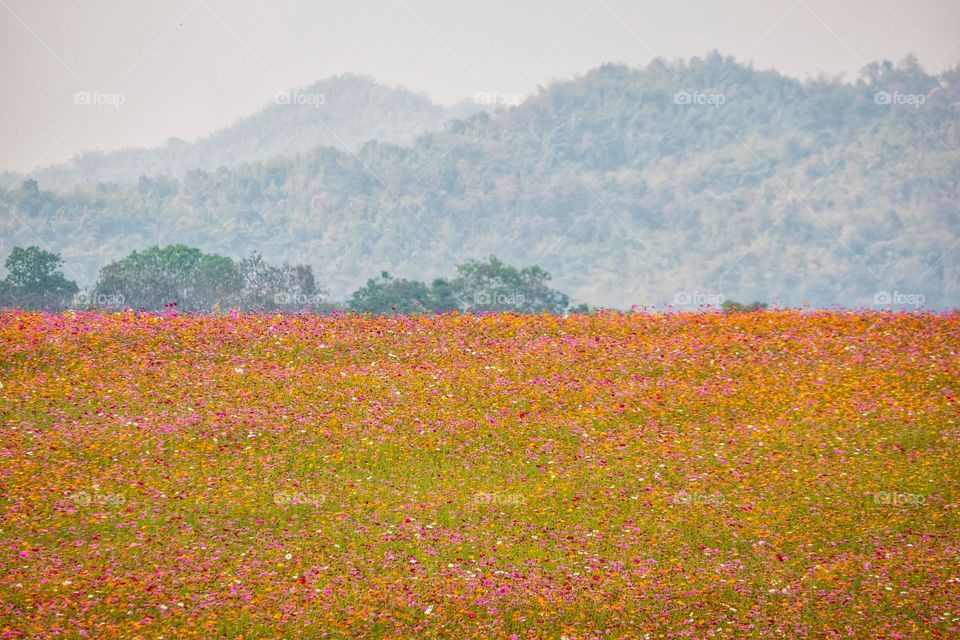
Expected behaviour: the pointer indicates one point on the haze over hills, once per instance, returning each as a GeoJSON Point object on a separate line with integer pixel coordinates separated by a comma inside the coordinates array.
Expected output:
{"type": "Point", "coordinates": [342, 112]}
{"type": "Point", "coordinates": [688, 181]}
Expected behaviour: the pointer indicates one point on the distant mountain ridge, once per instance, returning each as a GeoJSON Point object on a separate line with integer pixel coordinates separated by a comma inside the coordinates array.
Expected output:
{"type": "Point", "coordinates": [679, 182]}
{"type": "Point", "coordinates": [342, 112]}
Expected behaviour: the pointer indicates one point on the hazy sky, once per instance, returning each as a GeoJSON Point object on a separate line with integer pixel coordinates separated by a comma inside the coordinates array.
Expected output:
{"type": "Point", "coordinates": [185, 68]}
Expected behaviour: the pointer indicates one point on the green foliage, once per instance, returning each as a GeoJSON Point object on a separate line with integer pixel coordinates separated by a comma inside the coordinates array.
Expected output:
{"type": "Point", "coordinates": [214, 281]}
{"type": "Point", "coordinates": [494, 286]}
{"type": "Point", "coordinates": [285, 287]}
{"type": "Point", "coordinates": [443, 296]}
{"type": "Point", "coordinates": [195, 281]}
{"type": "Point", "coordinates": [35, 280]}
{"type": "Point", "coordinates": [479, 286]}
{"type": "Point", "coordinates": [730, 306]}
{"type": "Point", "coordinates": [151, 278]}
{"type": "Point", "coordinates": [389, 295]}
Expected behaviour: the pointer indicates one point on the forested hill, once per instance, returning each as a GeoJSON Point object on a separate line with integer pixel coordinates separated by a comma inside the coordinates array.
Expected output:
{"type": "Point", "coordinates": [703, 178]}
{"type": "Point", "coordinates": [341, 112]}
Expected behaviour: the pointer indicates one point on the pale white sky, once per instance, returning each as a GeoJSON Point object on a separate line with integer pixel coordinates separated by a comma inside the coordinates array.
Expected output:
{"type": "Point", "coordinates": [185, 68]}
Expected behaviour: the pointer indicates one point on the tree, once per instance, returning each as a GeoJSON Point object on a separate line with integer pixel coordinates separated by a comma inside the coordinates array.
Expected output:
{"type": "Point", "coordinates": [176, 274]}
{"type": "Point", "coordinates": [30, 187]}
{"type": "Point", "coordinates": [215, 281]}
{"type": "Point", "coordinates": [30, 200]}
{"type": "Point", "coordinates": [442, 297]}
{"type": "Point", "coordinates": [730, 306]}
{"type": "Point", "coordinates": [35, 280]}
{"type": "Point", "coordinates": [495, 286]}
{"type": "Point", "coordinates": [287, 286]}
{"type": "Point", "coordinates": [479, 286]}
{"type": "Point", "coordinates": [389, 295]}
{"type": "Point", "coordinates": [151, 278]}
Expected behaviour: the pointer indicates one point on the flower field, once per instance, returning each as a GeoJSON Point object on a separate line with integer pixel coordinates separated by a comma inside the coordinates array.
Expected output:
{"type": "Point", "coordinates": [782, 474]}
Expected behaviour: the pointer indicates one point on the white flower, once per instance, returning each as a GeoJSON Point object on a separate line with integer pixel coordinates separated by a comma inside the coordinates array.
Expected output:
{"type": "Point", "coordinates": [428, 610]}
{"type": "Point", "coordinates": [288, 556]}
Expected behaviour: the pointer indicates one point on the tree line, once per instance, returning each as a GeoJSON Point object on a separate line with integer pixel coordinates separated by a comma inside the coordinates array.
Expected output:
{"type": "Point", "coordinates": [186, 278]}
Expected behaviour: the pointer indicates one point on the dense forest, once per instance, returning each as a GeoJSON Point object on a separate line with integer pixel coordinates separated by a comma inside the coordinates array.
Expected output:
{"type": "Point", "coordinates": [629, 185]}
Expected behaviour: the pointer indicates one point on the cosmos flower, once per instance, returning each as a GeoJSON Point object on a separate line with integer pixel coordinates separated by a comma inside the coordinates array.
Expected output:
{"type": "Point", "coordinates": [688, 475]}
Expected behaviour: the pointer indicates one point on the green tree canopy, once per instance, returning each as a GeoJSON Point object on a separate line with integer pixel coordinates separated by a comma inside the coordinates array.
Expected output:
{"type": "Point", "coordinates": [35, 280]}
{"type": "Point", "coordinates": [491, 285]}
{"type": "Point", "coordinates": [480, 286]}
{"type": "Point", "coordinates": [176, 274]}
{"type": "Point", "coordinates": [389, 295]}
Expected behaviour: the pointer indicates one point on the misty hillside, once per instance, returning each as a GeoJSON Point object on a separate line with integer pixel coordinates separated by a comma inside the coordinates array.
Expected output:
{"type": "Point", "coordinates": [341, 112]}
{"type": "Point", "coordinates": [629, 185]}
